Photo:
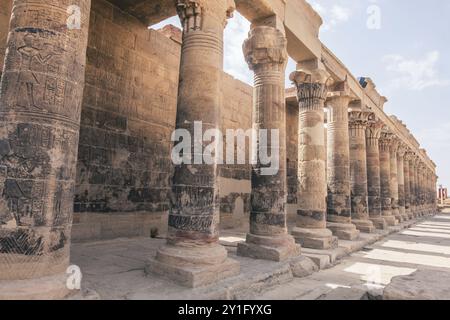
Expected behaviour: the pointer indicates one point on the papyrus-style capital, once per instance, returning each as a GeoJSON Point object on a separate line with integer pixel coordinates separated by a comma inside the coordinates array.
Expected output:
{"type": "Point", "coordinates": [265, 46]}
{"type": "Point", "coordinates": [193, 12]}
{"type": "Point", "coordinates": [393, 146]}
{"type": "Point", "coordinates": [385, 140]}
{"type": "Point", "coordinates": [373, 130]}
{"type": "Point", "coordinates": [312, 87]}
{"type": "Point", "coordinates": [359, 119]}
{"type": "Point", "coordinates": [401, 152]}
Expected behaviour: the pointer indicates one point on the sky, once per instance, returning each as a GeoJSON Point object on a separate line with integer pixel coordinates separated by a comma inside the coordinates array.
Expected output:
{"type": "Point", "coordinates": [402, 45]}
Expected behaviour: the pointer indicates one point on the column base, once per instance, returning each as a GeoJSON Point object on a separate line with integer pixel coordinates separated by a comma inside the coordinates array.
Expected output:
{"type": "Point", "coordinates": [379, 223]}
{"type": "Point", "coordinates": [344, 231]}
{"type": "Point", "coordinates": [275, 248]}
{"type": "Point", "coordinates": [46, 288]}
{"type": "Point", "coordinates": [391, 221]}
{"type": "Point", "coordinates": [321, 239]}
{"type": "Point", "coordinates": [365, 226]}
{"type": "Point", "coordinates": [399, 218]}
{"type": "Point", "coordinates": [193, 266]}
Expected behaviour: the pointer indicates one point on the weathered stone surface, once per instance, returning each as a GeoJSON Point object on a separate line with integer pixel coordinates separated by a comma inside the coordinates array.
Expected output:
{"type": "Point", "coordinates": [192, 255]}
{"type": "Point", "coordinates": [40, 107]}
{"type": "Point", "coordinates": [358, 170]}
{"type": "Point", "coordinates": [424, 284]}
{"type": "Point", "coordinates": [385, 176]}
{"type": "Point", "coordinates": [338, 159]}
{"type": "Point", "coordinates": [265, 52]}
{"type": "Point", "coordinates": [311, 216]}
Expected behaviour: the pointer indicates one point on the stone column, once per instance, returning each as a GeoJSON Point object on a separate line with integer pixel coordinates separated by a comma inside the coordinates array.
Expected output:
{"type": "Point", "coordinates": [407, 188]}
{"type": "Point", "coordinates": [412, 184]}
{"type": "Point", "coordinates": [311, 231]}
{"type": "Point", "coordinates": [358, 121]}
{"type": "Point", "coordinates": [373, 134]}
{"type": "Point", "coordinates": [393, 147]}
{"type": "Point", "coordinates": [416, 186]}
{"type": "Point", "coordinates": [265, 52]}
{"type": "Point", "coordinates": [339, 219]}
{"type": "Point", "coordinates": [420, 187]}
{"type": "Point", "coordinates": [401, 181]}
{"type": "Point", "coordinates": [192, 255]}
{"type": "Point", "coordinates": [40, 106]}
{"type": "Point", "coordinates": [385, 176]}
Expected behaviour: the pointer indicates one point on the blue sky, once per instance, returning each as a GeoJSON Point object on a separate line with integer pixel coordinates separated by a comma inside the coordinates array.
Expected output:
{"type": "Point", "coordinates": [407, 57]}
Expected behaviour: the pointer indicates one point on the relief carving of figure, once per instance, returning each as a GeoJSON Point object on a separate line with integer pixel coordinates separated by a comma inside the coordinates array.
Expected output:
{"type": "Point", "coordinates": [29, 53]}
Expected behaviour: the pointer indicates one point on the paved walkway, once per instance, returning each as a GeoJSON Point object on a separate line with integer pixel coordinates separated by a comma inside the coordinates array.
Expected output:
{"type": "Point", "coordinates": [115, 269]}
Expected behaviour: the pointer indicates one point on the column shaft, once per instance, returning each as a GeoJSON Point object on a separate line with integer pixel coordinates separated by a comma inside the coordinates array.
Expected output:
{"type": "Point", "coordinates": [192, 255]}
{"type": "Point", "coordinates": [407, 186]}
{"type": "Point", "coordinates": [358, 122]}
{"type": "Point", "coordinates": [401, 182]}
{"type": "Point", "coordinates": [311, 229]}
{"type": "Point", "coordinates": [394, 178]}
{"type": "Point", "coordinates": [373, 134]}
{"type": "Point", "coordinates": [385, 176]}
{"type": "Point", "coordinates": [338, 168]}
{"type": "Point", "coordinates": [265, 52]}
{"type": "Point", "coordinates": [40, 106]}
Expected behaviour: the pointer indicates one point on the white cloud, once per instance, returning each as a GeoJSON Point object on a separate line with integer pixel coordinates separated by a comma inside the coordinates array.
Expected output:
{"type": "Point", "coordinates": [234, 62]}
{"type": "Point", "coordinates": [332, 16]}
{"type": "Point", "coordinates": [414, 74]}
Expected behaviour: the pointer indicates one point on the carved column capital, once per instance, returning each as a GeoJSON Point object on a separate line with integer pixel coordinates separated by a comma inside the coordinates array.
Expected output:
{"type": "Point", "coordinates": [373, 130]}
{"type": "Point", "coordinates": [401, 152]}
{"type": "Point", "coordinates": [358, 119]}
{"type": "Point", "coordinates": [395, 143]}
{"type": "Point", "coordinates": [312, 87]}
{"type": "Point", "coordinates": [385, 140]}
{"type": "Point", "coordinates": [265, 46]}
{"type": "Point", "coordinates": [192, 13]}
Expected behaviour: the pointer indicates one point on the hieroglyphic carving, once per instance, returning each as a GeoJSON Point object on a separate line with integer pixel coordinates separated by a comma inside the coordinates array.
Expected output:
{"type": "Point", "coordinates": [40, 99]}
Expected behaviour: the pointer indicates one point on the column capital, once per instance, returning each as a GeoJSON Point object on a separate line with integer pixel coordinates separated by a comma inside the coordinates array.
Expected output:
{"type": "Point", "coordinates": [193, 12]}
{"type": "Point", "coordinates": [402, 148]}
{"type": "Point", "coordinates": [394, 145]}
{"type": "Point", "coordinates": [265, 46]}
{"type": "Point", "coordinates": [312, 87]}
{"type": "Point", "coordinates": [385, 140]}
{"type": "Point", "coordinates": [359, 118]}
{"type": "Point", "coordinates": [373, 130]}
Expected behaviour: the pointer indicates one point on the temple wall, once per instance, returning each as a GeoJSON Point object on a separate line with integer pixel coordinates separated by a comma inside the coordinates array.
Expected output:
{"type": "Point", "coordinates": [129, 109]}
{"type": "Point", "coordinates": [124, 168]}
{"type": "Point", "coordinates": [234, 180]}
{"type": "Point", "coordinates": [5, 14]}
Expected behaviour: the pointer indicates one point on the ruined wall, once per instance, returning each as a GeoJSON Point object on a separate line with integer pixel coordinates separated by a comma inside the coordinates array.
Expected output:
{"type": "Point", "coordinates": [5, 14]}
{"type": "Point", "coordinates": [124, 167]}
{"type": "Point", "coordinates": [234, 180]}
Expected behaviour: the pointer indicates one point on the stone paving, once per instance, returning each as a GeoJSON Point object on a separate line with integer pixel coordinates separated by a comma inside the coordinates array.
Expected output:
{"type": "Point", "coordinates": [115, 269]}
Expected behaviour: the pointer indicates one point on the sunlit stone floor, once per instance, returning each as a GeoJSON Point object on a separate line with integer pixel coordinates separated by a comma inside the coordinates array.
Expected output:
{"type": "Point", "coordinates": [114, 269]}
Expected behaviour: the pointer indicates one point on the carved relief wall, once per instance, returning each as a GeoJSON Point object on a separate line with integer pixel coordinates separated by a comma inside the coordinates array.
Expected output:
{"type": "Point", "coordinates": [129, 108]}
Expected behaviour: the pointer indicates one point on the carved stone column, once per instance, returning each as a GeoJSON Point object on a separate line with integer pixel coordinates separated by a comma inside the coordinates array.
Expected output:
{"type": "Point", "coordinates": [338, 167]}
{"type": "Point", "coordinates": [192, 255]}
{"type": "Point", "coordinates": [401, 181]}
{"type": "Point", "coordinates": [416, 186]}
{"type": "Point", "coordinates": [393, 147]}
{"type": "Point", "coordinates": [385, 176]}
{"type": "Point", "coordinates": [412, 183]}
{"type": "Point", "coordinates": [265, 52]}
{"type": "Point", "coordinates": [40, 106]}
{"type": "Point", "coordinates": [311, 231]}
{"type": "Point", "coordinates": [373, 135]}
{"type": "Point", "coordinates": [358, 121]}
{"type": "Point", "coordinates": [407, 184]}
{"type": "Point", "coordinates": [420, 187]}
